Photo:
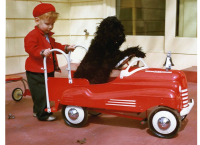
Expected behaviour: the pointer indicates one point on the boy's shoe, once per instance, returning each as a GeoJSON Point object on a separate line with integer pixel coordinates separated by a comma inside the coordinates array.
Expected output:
{"type": "Point", "coordinates": [51, 118]}
{"type": "Point", "coordinates": [34, 115]}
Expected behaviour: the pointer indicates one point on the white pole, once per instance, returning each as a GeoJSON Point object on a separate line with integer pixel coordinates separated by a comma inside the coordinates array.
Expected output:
{"type": "Point", "coordinates": [69, 72]}
{"type": "Point", "coordinates": [46, 77]}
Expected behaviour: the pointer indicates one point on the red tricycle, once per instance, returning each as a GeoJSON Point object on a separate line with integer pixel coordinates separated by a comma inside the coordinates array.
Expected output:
{"type": "Point", "coordinates": [17, 93]}
{"type": "Point", "coordinates": [136, 89]}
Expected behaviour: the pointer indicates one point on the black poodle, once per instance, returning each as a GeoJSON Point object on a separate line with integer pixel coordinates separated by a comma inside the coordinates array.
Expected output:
{"type": "Point", "coordinates": [104, 54]}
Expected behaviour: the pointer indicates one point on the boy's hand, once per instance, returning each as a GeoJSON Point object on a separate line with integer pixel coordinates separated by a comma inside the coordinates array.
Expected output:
{"type": "Point", "coordinates": [46, 52]}
{"type": "Point", "coordinates": [69, 48]}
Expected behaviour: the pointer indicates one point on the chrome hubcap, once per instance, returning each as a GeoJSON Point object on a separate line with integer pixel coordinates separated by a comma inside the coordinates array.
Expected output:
{"type": "Point", "coordinates": [73, 114]}
{"type": "Point", "coordinates": [164, 123]}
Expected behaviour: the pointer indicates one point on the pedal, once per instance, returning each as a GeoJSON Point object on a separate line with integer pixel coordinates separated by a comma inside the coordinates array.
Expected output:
{"type": "Point", "coordinates": [143, 121]}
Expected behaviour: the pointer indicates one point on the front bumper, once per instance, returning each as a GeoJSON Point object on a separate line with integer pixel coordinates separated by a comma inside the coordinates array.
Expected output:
{"type": "Point", "coordinates": [186, 110]}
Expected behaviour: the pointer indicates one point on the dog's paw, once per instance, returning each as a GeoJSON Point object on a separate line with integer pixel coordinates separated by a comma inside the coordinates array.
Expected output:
{"type": "Point", "coordinates": [140, 54]}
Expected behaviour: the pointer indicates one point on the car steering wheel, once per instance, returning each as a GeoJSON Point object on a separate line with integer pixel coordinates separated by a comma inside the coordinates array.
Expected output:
{"type": "Point", "coordinates": [124, 61]}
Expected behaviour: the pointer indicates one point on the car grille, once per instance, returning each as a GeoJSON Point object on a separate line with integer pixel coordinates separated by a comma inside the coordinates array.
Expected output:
{"type": "Point", "coordinates": [184, 96]}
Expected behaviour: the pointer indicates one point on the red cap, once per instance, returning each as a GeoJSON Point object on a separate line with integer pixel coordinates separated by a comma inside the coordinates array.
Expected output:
{"type": "Point", "coordinates": [43, 8]}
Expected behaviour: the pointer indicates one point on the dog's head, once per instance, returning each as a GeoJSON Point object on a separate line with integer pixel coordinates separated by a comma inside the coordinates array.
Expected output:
{"type": "Point", "coordinates": [111, 30]}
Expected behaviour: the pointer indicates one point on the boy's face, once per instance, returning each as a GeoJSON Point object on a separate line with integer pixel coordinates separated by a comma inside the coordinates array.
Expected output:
{"type": "Point", "coordinates": [46, 25]}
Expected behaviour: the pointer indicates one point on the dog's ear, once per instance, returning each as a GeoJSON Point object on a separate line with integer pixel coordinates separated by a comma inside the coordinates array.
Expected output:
{"type": "Point", "coordinates": [111, 31]}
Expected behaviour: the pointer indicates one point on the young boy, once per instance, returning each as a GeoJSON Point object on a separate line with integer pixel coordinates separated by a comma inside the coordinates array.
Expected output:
{"type": "Point", "coordinates": [38, 44]}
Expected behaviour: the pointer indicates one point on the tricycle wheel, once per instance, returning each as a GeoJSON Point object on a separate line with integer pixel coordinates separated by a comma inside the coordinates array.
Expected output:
{"type": "Point", "coordinates": [164, 122]}
{"type": "Point", "coordinates": [17, 94]}
{"type": "Point", "coordinates": [75, 116]}
{"type": "Point", "coordinates": [93, 113]}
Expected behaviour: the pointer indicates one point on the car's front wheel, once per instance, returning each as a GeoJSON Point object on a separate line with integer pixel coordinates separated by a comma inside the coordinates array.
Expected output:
{"type": "Point", "coordinates": [75, 116]}
{"type": "Point", "coordinates": [164, 122]}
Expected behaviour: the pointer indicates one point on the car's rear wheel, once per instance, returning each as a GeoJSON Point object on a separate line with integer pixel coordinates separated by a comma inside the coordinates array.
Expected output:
{"type": "Point", "coordinates": [164, 122]}
{"type": "Point", "coordinates": [75, 116]}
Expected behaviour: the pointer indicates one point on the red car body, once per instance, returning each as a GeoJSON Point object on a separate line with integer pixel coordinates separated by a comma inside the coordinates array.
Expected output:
{"type": "Point", "coordinates": [134, 90]}
{"type": "Point", "coordinates": [136, 93]}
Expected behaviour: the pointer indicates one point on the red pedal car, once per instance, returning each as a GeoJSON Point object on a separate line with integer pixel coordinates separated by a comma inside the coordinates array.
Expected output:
{"type": "Point", "coordinates": [135, 90]}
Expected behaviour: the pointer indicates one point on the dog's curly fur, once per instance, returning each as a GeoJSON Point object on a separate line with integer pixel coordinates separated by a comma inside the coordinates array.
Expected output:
{"type": "Point", "coordinates": [104, 54]}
